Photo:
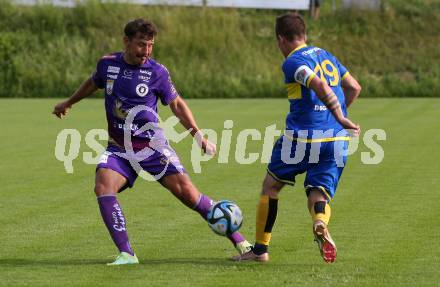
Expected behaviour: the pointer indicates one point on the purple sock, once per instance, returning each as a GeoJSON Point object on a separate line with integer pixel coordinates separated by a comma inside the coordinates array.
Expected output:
{"type": "Point", "coordinates": [236, 238]}
{"type": "Point", "coordinates": [203, 206]}
{"type": "Point", "coordinates": [114, 219]}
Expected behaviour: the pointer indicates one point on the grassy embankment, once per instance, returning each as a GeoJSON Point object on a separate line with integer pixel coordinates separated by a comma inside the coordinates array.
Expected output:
{"type": "Point", "coordinates": [47, 51]}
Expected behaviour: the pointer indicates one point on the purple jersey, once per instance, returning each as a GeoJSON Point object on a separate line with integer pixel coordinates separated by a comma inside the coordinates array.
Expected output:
{"type": "Point", "coordinates": [127, 86]}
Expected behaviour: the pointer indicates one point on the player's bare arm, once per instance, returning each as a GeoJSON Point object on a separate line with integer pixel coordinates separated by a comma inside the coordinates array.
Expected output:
{"type": "Point", "coordinates": [181, 110]}
{"type": "Point", "coordinates": [86, 89]}
{"type": "Point", "coordinates": [351, 88]}
{"type": "Point", "coordinates": [328, 97]}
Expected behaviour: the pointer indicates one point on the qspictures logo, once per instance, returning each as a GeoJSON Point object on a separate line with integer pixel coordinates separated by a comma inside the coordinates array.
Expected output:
{"type": "Point", "coordinates": [231, 143]}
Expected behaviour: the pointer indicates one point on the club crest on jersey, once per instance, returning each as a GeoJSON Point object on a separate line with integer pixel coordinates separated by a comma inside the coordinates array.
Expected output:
{"type": "Point", "coordinates": [142, 90]}
{"type": "Point", "coordinates": [109, 87]}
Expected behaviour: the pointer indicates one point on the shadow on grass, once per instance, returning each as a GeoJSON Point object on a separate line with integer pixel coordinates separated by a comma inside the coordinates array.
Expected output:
{"type": "Point", "coordinates": [17, 262]}
{"type": "Point", "coordinates": [192, 261]}
{"type": "Point", "coordinates": [223, 262]}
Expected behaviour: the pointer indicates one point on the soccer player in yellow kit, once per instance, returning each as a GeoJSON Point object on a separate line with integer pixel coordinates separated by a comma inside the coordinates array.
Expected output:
{"type": "Point", "coordinates": [319, 89]}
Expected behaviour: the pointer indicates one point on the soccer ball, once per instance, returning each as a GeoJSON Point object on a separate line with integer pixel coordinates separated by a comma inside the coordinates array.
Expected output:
{"type": "Point", "coordinates": [224, 217]}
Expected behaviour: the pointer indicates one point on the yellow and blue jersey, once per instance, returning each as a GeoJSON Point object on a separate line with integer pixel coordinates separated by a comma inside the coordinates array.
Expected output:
{"type": "Point", "coordinates": [308, 116]}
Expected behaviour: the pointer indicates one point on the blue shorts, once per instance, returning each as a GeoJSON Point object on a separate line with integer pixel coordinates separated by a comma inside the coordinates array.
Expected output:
{"type": "Point", "coordinates": [323, 163]}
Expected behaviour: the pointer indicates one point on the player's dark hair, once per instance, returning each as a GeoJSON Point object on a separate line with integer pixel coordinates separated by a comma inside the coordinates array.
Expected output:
{"type": "Point", "coordinates": [290, 26]}
{"type": "Point", "coordinates": [144, 27]}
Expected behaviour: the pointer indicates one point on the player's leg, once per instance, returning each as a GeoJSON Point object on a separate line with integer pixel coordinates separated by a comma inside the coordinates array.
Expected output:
{"type": "Point", "coordinates": [321, 182]}
{"type": "Point", "coordinates": [320, 212]}
{"type": "Point", "coordinates": [107, 184]}
{"type": "Point", "coordinates": [267, 210]}
{"type": "Point", "coordinates": [114, 174]}
{"type": "Point", "coordinates": [279, 174]}
{"type": "Point", "coordinates": [315, 8]}
{"type": "Point", "coordinates": [317, 204]}
{"type": "Point", "coordinates": [181, 187]}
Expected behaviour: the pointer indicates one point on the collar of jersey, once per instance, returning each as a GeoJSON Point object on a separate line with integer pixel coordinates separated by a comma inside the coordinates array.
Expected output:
{"type": "Point", "coordinates": [296, 49]}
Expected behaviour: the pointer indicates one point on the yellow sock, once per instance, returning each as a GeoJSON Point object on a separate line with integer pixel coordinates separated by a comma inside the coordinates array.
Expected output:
{"type": "Point", "coordinates": [266, 215]}
{"type": "Point", "coordinates": [321, 211]}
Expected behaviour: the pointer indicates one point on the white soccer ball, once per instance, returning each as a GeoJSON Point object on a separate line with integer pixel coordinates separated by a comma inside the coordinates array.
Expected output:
{"type": "Point", "coordinates": [224, 217]}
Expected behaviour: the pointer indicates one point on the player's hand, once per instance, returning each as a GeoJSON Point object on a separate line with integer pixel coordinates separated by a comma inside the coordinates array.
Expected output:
{"type": "Point", "coordinates": [207, 146]}
{"type": "Point", "coordinates": [353, 129]}
{"type": "Point", "coordinates": [61, 109]}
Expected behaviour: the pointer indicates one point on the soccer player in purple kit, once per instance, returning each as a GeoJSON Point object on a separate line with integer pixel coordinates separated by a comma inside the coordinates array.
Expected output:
{"type": "Point", "coordinates": [132, 79]}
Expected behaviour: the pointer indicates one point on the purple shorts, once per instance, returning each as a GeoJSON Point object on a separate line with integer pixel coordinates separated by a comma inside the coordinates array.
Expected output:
{"type": "Point", "coordinates": [159, 161]}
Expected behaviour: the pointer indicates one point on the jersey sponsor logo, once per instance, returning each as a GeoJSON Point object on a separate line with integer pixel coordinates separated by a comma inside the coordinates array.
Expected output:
{"type": "Point", "coordinates": [131, 127]}
{"type": "Point", "coordinates": [145, 72]}
{"type": "Point", "coordinates": [144, 78]}
{"type": "Point", "coordinates": [302, 74]}
{"type": "Point", "coordinates": [320, 108]}
{"type": "Point", "coordinates": [142, 90]}
{"type": "Point", "coordinates": [113, 69]}
{"type": "Point", "coordinates": [311, 51]}
{"type": "Point", "coordinates": [127, 74]}
{"type": "Point", "coordinates": [111, 76]}
{"type": "Point", "coordinates": [146, 75]}
{"type": "Point", "coordinates": [109, 87]}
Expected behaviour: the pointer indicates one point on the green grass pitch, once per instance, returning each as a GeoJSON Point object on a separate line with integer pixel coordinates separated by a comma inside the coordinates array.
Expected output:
{"type": "Point", "coordinates": [385, 217]}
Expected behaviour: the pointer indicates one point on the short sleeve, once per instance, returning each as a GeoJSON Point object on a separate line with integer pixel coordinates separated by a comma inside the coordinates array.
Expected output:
{"type": "Point", "coordinates": [297, 71]}
{"type": "Point", "coordinates": [167, 90]}
{"type": "Point", "coordinates": [341, 68]}
{"type": "Point", "coordinates": [98, 76]}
